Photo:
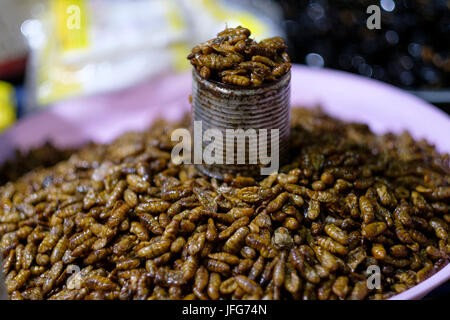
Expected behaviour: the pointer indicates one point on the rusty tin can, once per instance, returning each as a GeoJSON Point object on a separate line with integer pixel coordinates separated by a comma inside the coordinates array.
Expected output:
{"type": "Point", "coordinates": [221, 106]}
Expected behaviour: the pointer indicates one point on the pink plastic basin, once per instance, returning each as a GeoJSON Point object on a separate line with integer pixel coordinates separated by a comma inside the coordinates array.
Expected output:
{"type": "Point", "coordinates": [343, 95]}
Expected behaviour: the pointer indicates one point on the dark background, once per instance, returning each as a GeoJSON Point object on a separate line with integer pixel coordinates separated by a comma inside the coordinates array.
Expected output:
{"type": "Point", "coordinates": [410, 51]}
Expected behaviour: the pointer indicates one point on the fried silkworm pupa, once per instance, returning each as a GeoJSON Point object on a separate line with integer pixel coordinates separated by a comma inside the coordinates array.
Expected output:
{"type": "Point", "coordinates": [214, 283]}
{"type": "Point", "coordinates": [217, 266]}
{"type": "Point", "coordinates": [248, 285]}
{"type": "Point", "coordinates": [236, 80]}
{"type": "Point", "coordinates": [200, 283]}
{"type": "Point", "coordinates": [158, 237]}
{"type": "Point", "coordinates": [154, 250]}
{"type": "Point", "coordinates": [234, 243]}
{"type": "Point", "coordinates": [336, 233]}
{"type": "Point", "coordinates": [100, 283]}
{"type": "Point", "coordinates": [189, 267]}
{"type": "Point", "coordinates": [226, 257]}
{"type": "Point", "coordinates": [228, 286]}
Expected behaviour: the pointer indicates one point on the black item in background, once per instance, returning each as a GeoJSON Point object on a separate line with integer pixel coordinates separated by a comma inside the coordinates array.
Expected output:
{"type": "Point", "coordinates": [411, 50]}
{"type": "Point", "coordinates": [441, 293]}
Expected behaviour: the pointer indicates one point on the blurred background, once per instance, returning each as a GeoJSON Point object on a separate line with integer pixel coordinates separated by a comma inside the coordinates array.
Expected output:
{"type": "Point", "coordinates": [51, 50]}
{"type": "Point", "coordinates": [54, 50]}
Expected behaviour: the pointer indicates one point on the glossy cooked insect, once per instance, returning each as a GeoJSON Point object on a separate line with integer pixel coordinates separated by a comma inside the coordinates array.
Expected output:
{"type": "Point", "coordinates": [327, 260]}
{"type": "Point", "coordinates": [153, 206]}
{"type": "Point", "coordinates": [211, 232]}
{"type": "Point", "coordinates": [367, 210]}
{"type": "Point", "coordinates": [257, 268]}
{"type": "Point", "coordinates": [440, 228]}
{"type": "Point", "coordinates": [136, 183]}
{"type": "Point", "coordinates": [279, 270]}
{"type": "Point", "coordinates": [79, 238]}
{"type": "Point", "coordinates": [96, 256]}
{"type": "Point", "coordinates": [118, 214]}
{"type": "Point", "coordinates": [59, 250]}
{"type": "Point", "coordinates": [100, 230]}
{"type": "Point", "coordinates": [336, 233]}
{"type": "Point", "coordinates": [205, 72]}
{"type": "Point", "coordinates": [257, 242]}
{"type": "Point", "coordinates": [151, 223]}
{"type": "Point", "coordinates": [243, 266]}
{"type": "Point", "coordinates": [305, 270]}
{"type": "Point", "coordinates": [195, 243]}
{"type": "Point", "coordinates": [214, 283]}
{"type": "Point", "coordinates": [313, 209]}
{"type": "Point", "coordinates": [281, 69]}
{"type": "Point", "coordinates": [130, 198]}
{"type": "Point", "coordinates": [201, 279]}
{"type": "Point", "coordinates": [378, 251]}
{"type": "Point", "coordinates": [248, 253]}
{"type": "Point", "coordinates": [224, 257]}
{"type": "Point", "coordinates": [240, 222]}
{"type": "Point", "coordinates": [331, 245]}
{"type": "Point", "coordinates": [128, 264]}
{"type": "Point", "coordinates": [116, 193]}
{"type": "Point", "coordinates": [281, 238]}
{"type": "Point", "coordinates": [100, 283]}
{"type": "Point", "coordinates": [155, 249]}
{"type": "Point", "coordinates": [265, 60]}
{"type": "Point", "coordinates": [277, 203]}
{"type": "Point", "coordinates": [189, 267]}
{"type": "Point", "coordinates": [215, 61]}
{"type": "Point", "coordinates": [140, 231]}
{"type": "Point", "coordinates": [234, 243]}
{"type": "Point", "coordinates": [267, 272]}
{"type": "Point", "coordinates": [248, 285]}
{"type": "Point", "coordinates": [236, 80]}
{"type": "Point", "coordinates": [83, 249]}
{"type": "Point", "coordinates": [255, 67]}
{"type": "Point", "coordinates": [51, 275]}
{"type": "Point", "coordinates": [177, 245]}
{"type": "Point", "coordinates": [292, 282]}
{"type": "Point", "coordinates": [373, 230]}
{"type": "Point", "coordinates": [359, 291]}
{"type": "Point", "coordinates": [18, 281]}
{"type": "Point", "coordinates": [228, 286]}
{"type": "Point", "coordinates": [217, 266]}
{"type": "Point", "coordinates": [249, 194]}
{"type": "Point", "coordinates": [340, 287]}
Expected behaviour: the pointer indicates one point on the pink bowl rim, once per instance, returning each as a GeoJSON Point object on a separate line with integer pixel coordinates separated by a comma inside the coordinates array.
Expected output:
{"type": "Point", "coordinates": [342, 89]}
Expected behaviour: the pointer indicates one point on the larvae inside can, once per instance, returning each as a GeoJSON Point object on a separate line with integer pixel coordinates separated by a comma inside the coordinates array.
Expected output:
{"type": "Point", "coordinates": [235, 59]}
{"type": "Point", "coordinates": [121, 221]}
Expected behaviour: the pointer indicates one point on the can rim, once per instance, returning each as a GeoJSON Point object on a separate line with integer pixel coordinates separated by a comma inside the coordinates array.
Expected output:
{"type": "Point", "coordinates": [217, 84]}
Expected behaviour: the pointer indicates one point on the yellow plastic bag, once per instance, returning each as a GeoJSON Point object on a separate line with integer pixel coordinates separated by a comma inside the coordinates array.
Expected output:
{"type": "Point", "coordinates": [7, 105]}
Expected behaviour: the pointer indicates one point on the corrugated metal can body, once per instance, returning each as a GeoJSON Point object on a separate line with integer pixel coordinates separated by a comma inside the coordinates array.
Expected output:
{"type": "Point", "coordinates": [221, 106]}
